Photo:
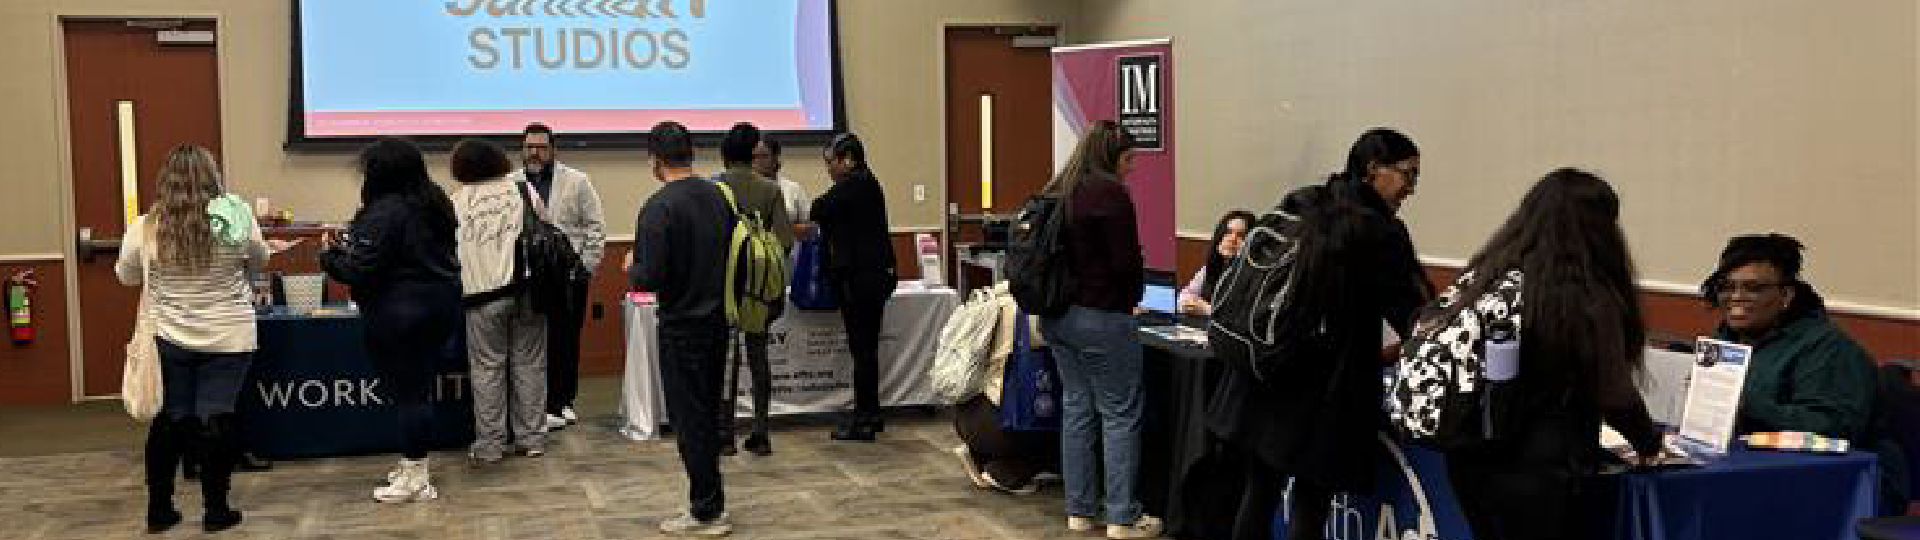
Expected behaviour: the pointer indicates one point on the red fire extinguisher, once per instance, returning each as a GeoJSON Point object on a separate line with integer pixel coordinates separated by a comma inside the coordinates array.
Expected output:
{"type": "Point", "coordinates": [20, 307]}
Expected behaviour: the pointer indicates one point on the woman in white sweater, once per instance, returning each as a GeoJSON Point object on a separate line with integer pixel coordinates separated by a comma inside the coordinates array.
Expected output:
{"type": "Point", "coordinates": [193, 251]}
{"type": "Point", "coordinates": [506, 340]}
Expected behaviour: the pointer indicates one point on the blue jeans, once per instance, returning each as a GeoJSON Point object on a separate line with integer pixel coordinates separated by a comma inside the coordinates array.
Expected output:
{"type": "Point", "coordinates": [1099, 357]}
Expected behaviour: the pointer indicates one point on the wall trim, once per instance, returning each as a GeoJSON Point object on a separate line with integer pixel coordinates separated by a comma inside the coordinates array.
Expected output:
{"type": "Point", "coordinates": [32, 257]}
{"type": "Point", "coordinates": [1683, 289]}
{"type": "Point", "coordinates": [1115, 44]}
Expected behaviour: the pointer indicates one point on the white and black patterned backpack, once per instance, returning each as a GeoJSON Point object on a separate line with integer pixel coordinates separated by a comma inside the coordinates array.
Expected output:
{"type": "Point", "coordinates": [1438, 395]}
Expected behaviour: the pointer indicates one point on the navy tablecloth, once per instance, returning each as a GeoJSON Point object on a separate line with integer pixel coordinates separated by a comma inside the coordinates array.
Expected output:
{"type": "Point", "coordinates": [1752, 494]}
{"type": "Point", "coordinates": [313, 392]}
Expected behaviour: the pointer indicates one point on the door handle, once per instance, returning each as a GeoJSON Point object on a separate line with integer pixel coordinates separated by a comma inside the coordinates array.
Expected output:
{"type": "Point", "coordinates": [87, 245]}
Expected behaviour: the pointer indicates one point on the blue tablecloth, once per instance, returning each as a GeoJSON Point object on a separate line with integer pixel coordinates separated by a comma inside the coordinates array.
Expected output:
{"type": "Point", "coordinates": [313, 392]}
{"type": "Point", "coordinates": [1751, 494]}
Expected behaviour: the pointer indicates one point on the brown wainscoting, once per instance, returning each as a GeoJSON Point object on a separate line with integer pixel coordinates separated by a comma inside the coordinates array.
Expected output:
{"type": "Point", "coordinates": [603, 342]}
{"type": "Point", "coordinates": [1672, 314]}
{"type": "Point", "coordinates": [39, 372]}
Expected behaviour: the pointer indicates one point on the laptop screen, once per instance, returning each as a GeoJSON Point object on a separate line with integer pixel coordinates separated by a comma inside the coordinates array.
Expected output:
{"type": "Point", "coordinates": [1159, 298]}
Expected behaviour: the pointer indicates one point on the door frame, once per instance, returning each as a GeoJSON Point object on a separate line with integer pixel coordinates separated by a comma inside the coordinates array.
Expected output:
{"type": "Point", "coordinates": [940, 107]}
{"type": "Point", "coordinates": [56, 17]}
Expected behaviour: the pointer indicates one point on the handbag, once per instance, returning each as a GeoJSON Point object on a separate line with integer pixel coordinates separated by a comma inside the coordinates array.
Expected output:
{"type": "Point", "coordinates": [141, 387]}
{"type": "Point", "coordinates": [811, 288]}
{"type": "Point", "coordinates": [1030, 391]}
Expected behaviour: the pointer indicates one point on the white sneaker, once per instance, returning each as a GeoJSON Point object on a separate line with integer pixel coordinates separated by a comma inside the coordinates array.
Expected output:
{"type": "Point", "coordinates": [1145, 527]}
{"type": "Point", "coordinates": [973, 469]}
{"type": "Point", "coordinates": [411, 483]}
{"type": "Point", "coordinates": [684, 524]}
{"type": "Point", "coordinates": [1080, 524]}
{"type": "Point", "coordinates": [567, 413]}
{"type": "Point", "coordinates": [1028, 489]}
{"type": "Point", "coordinates": [555, 423]}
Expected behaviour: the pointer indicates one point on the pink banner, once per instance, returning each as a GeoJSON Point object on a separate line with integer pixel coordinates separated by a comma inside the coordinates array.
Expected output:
{"type": "Point", "coordinates": [337, 123]}
{"type": "Point", "coordinates": [1132, 84]}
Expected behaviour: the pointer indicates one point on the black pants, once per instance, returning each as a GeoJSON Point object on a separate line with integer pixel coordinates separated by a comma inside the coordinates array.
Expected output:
{"type": "Point", "coordinates": [691, 362]}
{"type": "Point", "coordinates": [563, 349]}
{"type": "Point", "coordinates": [1011, 457]}
{"type": "Point", "coordinates": [1307, 513]}
{"type": "Point", "coordinates": [761, 371]}
{"type": "Point", "coordinates": [1533, 488]}
{"type": "Point", "coordinates": [196, 420]}
{"type": "Point", "coordinates": [863, 307]}
{"type": "Point", "coordinates": [409, 333]}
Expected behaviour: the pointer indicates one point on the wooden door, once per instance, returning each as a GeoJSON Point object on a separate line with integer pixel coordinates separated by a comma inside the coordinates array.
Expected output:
{"type": "Point", "coordinates": [123, 86]}
{"type": "Point", "coordinates": [1017, 85]}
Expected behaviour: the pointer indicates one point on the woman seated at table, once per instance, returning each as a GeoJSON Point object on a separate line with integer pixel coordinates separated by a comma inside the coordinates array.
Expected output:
{"type": "Point", "coordinates": [1197, 297]}
{"type": "Point", "coordinates": [1580, 345]}
{"type": "Point", "coordinates": [1806, 373]}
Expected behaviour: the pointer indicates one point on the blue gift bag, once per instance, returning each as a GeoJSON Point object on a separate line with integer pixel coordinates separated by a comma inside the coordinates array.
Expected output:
{"type": "Point", "coordinates": [1030, 392]}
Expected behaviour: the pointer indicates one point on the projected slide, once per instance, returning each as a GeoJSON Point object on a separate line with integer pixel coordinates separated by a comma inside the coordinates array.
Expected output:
{"type": "Point", "coordinates": [430, 67]}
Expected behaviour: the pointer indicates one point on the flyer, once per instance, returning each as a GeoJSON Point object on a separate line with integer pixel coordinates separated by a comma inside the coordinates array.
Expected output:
{"type": "Point", "coordinates": [1713, 397]}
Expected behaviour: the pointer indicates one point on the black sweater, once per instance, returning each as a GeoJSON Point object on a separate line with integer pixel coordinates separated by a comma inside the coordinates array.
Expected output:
{"type": "Point", "coordinates": [680, 251]}
{"type": "Point", "coordinates": [852, 216]}
{"type": "Point", "coordinates": [393, 245]}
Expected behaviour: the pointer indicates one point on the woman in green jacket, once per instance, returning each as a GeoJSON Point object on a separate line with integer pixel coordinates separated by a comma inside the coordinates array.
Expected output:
{"type": "Point", "coordinates": [1807, 374]}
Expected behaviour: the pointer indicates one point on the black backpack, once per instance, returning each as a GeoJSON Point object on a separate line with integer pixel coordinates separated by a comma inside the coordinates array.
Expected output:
{"type": "Point", "coordinates": [1036, 265]}
{"type": "Point", "coordinates": [1271, 305]}
{"type": "Point", "coordinates": [544, 260]}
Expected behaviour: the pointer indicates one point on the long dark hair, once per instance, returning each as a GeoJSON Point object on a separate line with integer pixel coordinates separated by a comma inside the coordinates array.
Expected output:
{"type": "Point", "coordinates": [1779, 250]}
{"type": "Point", "coordinates": [1216, 263]}
{"type": "Point", "coordinates": [1577, 289]}
{"type": "Point", "coordinates": [393, 167]}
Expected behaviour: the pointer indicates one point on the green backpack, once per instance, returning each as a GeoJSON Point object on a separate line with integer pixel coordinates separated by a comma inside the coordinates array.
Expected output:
{"type": "Point", "coordinates": [756, 271]}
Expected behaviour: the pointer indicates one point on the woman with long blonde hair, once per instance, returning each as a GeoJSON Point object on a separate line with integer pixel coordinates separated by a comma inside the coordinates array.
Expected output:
{"type": "Point", "coordinates": [193, 251]}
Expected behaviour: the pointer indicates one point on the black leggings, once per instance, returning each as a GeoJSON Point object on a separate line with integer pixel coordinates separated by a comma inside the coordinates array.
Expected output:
{"type": "Point", "coordinates": [1531, 488]}
{"type": "Point", "coordinates": [408, 337]}
{"type": "Point", "coordinates": [1012, 457]}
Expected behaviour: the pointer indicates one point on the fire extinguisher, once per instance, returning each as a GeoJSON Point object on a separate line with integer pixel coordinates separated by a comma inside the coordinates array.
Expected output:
{"type": "Point", "coordinates": [20, 307]}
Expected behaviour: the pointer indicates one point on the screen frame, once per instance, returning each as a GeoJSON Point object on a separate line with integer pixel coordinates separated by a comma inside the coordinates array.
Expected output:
{"type": "Point", "coordinates": [298, 140]}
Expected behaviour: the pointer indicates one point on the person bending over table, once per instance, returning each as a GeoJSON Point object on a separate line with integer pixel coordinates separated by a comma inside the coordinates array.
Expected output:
{"type": "Point", "coordinates": [1580, 345]}
{"type": "Point", "coordinates": [1806, 374]}
{"type": "Point", "coordinates": [852, 215]}
{"type": "Point", "coordinates": [398, 256]}
{"type": "Point", "coordinates": [1197, 297]}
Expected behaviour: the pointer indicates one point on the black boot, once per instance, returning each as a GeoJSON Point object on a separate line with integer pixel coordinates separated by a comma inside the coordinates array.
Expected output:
{"type": "Point", "coordinates": [163, 455]}
{"type": "Point", "coordinates": [219, 450]}
{"type": "Point", "coordinates": [854, 429]}
{"type": "Point", "coordinates": [252, 463]}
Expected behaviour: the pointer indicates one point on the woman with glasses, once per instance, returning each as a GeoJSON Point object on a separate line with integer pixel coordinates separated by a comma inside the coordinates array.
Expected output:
{"type": "Point", "coordinates": [1806, 374]}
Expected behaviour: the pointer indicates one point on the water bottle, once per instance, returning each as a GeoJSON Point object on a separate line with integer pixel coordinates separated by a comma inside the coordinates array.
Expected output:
{"type": "Point", "coordinates": [1501, 359]}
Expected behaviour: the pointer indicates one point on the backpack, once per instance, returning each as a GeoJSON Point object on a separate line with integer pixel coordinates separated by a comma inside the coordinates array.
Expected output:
{"type": "Point", "coordinates": [1438, 395]}
{"type": "Point", "coordinates": [544, 259]}
{"type": "Point", "coordinates": [1036, 264]}
{"type": "Point", "coordinates": [756, 270]}
{"type": "Point", "coordinates": [1264, 313]}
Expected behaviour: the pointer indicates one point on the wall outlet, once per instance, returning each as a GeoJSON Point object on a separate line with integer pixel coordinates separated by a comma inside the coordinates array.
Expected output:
{"type": "Point", "coordinates": [919, 193]}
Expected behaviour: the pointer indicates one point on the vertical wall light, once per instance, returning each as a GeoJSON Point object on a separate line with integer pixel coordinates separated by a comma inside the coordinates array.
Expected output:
{"type": "Point", "coordinates": [986, 152]}
{"type": "Point", "coordinates": [129, 161]}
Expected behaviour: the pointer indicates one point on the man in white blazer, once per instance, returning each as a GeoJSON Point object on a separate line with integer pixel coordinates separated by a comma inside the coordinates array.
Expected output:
{"type": "Point", "coordinates": [574, 206]}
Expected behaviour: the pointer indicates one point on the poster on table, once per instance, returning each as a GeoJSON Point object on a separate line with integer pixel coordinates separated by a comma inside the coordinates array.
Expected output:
{"type": "Point", "coordinates": [1130, 83]}
{"type": "Point", "coordinates": [1713, 397]}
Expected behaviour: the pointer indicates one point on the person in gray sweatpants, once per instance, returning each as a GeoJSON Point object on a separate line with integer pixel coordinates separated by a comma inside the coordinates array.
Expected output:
{"type": "Point", "coordinates": [507, 360]}
{"type": "Point", "coordinates": [506, 340]}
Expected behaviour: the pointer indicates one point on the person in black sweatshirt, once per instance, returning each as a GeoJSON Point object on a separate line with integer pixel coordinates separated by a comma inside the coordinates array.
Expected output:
{"type": "Point", "coordinates": [398, 256]}
{"type": "Point", "coordinates": [679, 244]}
{"type": "Point", "coordinates": [853, 217]}
{"type": "Point", "coordinates": [1581, 339]}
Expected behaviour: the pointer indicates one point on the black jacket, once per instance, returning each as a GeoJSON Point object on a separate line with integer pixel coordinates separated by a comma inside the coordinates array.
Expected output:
{"type": "Point", "coordinates": [852, 216]}
{"type": "Point", "coordinates": [393, 245]}
{"type": "Point", "coordinates": [680, 252]}
{"type": "Point", "coordinates": [1322, 418]}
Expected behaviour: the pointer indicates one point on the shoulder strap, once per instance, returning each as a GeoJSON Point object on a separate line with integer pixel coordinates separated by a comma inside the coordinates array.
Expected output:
{"type": "Point", "coordinates": [728, 193]}
{"type": "Point", "coordinates": [534, 207]}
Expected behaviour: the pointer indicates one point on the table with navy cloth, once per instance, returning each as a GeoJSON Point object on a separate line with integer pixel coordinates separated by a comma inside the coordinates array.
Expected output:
{"type": "Point", "coordinates": [1748, 494]}
{"type": "Point", "coordinates": [313, 391]}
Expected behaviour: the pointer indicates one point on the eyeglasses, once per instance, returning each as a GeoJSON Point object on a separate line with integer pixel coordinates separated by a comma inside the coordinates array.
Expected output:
{"type": "Point", "coordinates": [1747, 288]}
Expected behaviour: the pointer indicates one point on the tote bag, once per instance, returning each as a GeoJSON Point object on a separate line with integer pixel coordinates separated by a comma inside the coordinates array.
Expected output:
{"type": "Point", "coordinates": [140, 384]}
{"type": "Point", "coordinates": [811, 289]}
{"type": "Point", "coordinates": [1030, 392]}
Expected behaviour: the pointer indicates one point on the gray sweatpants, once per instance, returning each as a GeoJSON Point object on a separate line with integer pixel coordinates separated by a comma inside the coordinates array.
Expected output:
{"type": "Point", "coordinates": [507, 361]}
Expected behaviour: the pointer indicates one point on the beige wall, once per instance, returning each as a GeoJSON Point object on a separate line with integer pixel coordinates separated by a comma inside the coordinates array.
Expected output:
{"type": "Point", "coordinates": [1711, 118]}
{"type": "Point", "coordinates": [890, 50]}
